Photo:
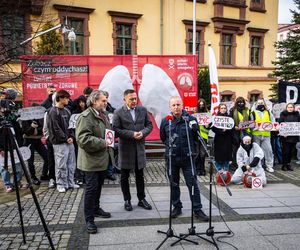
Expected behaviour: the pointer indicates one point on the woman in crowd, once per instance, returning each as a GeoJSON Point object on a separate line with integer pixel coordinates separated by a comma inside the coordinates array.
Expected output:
{"type": "Point", "coordinates": [239, 113]}
{"type": "Point", "coordinates": [222, 143]}
{"type": "Point", "coordinates": [288, 142]}
{"type": "Point", "coordinates": [79, 107]}
{"type": "Point", "coordinates": [200, 160]}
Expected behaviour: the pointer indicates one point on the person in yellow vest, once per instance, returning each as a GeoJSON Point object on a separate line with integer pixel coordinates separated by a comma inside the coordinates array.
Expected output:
{"type": "Point", "coordinates": [200, 159]}
{"type": "Point", "coordinates": [240, 113]}
{"type": "Point", "coordinates": [263, 138]}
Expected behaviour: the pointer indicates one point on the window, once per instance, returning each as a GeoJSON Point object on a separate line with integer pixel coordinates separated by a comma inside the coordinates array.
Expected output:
{"type": "Point", "coordinates": [77, 18]}
{"type": "Point", "coordinates": [255, 51]}
{"type": "Point", "coordinates": [256, 46]}
{"type": "Point", "coordinates": [254, 95]}
{"type": "Point", "coordinates": [257, 5]}
{"type": "Point", "coordinates": [75, 47]}
{"type": "Point", "coordinates": [226, 98]}
{"type": "Point", "coordinates": [13, 32]}
{"type": "Point", "coordinates": [124, 39]}
{"type": "Point", "coordinates": [226, 49]}
{"type": "Point", "coordinates": [124, 32]}
{"type": "Point", "coordinates": [200, 30]}
{"type": "Point", "coordinates": [190, 44]}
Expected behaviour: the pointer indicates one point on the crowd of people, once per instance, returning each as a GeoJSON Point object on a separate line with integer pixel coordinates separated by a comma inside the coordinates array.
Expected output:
{"type": "Point", "coordinates": [78, 156]}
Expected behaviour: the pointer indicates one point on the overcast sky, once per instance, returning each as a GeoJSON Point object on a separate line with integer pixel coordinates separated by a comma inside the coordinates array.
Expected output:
{"type": "Point", "coordinates": [284, 14]}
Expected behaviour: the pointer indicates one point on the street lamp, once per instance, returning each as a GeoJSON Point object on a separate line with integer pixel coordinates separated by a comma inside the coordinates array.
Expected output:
{"type": "Point", "coordinates": [71, 33]}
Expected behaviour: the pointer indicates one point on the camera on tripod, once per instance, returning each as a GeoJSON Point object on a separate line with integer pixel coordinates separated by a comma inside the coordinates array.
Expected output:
{"type": "Point", "coordinates": [8, 108]}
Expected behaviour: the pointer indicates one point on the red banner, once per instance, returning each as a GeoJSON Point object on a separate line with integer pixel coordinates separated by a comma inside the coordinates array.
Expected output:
{"type": "Point", "coordinates": [155, 78]}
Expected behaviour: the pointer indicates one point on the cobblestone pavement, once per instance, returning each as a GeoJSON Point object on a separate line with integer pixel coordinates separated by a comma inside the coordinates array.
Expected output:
{"type": "Point", "coordinates": [63, 212]}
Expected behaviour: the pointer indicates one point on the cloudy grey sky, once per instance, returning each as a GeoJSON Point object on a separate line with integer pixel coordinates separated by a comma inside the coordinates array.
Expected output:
{"type": "Point", "coordinates": [284, 14]}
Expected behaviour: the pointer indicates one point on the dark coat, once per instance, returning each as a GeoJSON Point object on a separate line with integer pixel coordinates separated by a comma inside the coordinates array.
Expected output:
{"type": "Point", "coordinates": [223, 144]}
{"type": "Point", "coordinates": [180, 148]}
{"type": "Point", "coordinates": [130, 149]}
{"type": "Point", "coordinates": [286, 116]}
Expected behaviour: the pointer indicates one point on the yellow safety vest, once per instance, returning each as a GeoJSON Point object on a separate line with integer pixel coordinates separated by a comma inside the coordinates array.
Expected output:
{"type": "Point", "coordinates": [241, 119]}
{"type": "Point", "coordinates": [203, 132]}
{"type": "Point", "coordinates": [265, 118]}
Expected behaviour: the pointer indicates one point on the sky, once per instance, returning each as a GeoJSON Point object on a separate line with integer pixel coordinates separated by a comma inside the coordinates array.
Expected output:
{"type": "Point", "coordinates": [284, 14]}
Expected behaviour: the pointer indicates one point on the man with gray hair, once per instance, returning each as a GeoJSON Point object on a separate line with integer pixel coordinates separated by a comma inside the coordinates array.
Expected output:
{"type": "Point", "coordinates": [94, 155]}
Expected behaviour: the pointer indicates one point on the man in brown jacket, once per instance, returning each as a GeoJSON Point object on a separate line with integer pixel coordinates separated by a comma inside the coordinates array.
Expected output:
{"type": "Point", "coordinates": [94, 155]}
{"type": "Point", "coordinates": [132, 124]}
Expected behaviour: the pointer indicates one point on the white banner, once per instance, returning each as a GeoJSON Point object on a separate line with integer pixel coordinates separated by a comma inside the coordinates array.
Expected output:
{"type": "Point", "coordinates": [223, 122]}
{"type": "Point", "coordinates": [24, 151]}
{"type": "Point", "coordinates": [31, 113]}
{"type": "Point", "coordinates": [203, 118]}
{"type": "Point", "coordinates": [214, 82]}
{"type": "Point", "coordinates": [247, 124]}
{"type": "Point", "coordinates": [289, 129]}
{"type": "Point", "coordinates": [267, 126]}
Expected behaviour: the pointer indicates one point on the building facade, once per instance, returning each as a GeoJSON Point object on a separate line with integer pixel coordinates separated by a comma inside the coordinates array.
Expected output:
{"type": "Point", "coordinates": [242, 33]}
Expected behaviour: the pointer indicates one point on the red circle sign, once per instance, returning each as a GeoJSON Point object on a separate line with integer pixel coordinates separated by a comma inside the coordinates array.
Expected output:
{"type": "Point", "coordinates": [256, 182]}
{"type": "Point", "coordinates": [109, 138]}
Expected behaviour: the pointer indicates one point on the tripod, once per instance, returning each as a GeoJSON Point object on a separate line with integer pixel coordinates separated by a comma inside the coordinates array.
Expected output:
{"type": "Point", "coordinates": [170, 232]}
{"type": "Point", "coordinates": [10, 144]}
{"type": "Point", "coordinates": [210, 231]}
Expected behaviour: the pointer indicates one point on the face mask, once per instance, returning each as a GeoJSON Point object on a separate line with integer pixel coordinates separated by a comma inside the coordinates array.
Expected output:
{"type": "Point", "coordinates": [260, 107]}
{"type": "Point", "coordinates": [247, 147]}
{"type": "Point", "coordinates": [241, 105]}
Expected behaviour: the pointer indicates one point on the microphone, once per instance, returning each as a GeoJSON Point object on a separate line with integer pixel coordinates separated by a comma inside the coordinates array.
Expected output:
{"type": "Point", "coordinates": [169, 117]}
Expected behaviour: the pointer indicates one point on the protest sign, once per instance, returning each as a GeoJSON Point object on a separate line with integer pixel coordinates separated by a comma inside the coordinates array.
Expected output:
{"type": "Point", "coordinates": [223, 122]}
{"type": "Point", "coordinates": [110, 137]}
{"type": "Point", "coordinates": [73, 119]}
{"type": "Point", "coordinates": [31, 113]}
{"type": "Point", "coordinates": [289, 129]}
{"type": "Point", "coordinates": [203, 118]}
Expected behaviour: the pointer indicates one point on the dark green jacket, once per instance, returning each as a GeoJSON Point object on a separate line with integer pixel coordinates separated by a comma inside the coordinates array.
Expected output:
{"type": "Point", "coordinates": [93, 154]}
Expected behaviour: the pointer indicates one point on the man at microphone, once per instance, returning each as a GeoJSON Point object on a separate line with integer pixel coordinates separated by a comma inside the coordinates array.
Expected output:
{"type": "Point", "coordinates": [176, 122]}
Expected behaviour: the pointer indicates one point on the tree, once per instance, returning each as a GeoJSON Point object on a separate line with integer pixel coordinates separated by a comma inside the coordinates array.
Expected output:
{"type": "Point", "coordinates": [50, 43]}
{"type": "Point", "coordinates": [204, 85]}
{"type": "Point", "coordinates": [288, 63]}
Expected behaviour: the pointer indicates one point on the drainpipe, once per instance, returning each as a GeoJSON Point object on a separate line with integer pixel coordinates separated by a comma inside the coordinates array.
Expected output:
{"type": "Point", "coordinates": [161, 27]}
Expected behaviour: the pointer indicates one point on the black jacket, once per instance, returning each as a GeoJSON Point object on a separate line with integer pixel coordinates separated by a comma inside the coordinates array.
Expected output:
{"type": "Point", "coordinates": [58, 123]}
{"type": "Point", "coordinates": [286, 116]}
{"type": "Point", "coordinates": [180, 149]}
{"type": "Point", "coordinates": [48, 102]}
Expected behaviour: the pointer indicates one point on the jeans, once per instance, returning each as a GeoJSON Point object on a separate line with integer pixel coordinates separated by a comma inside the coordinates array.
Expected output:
{"type": "Point", "coordinates": [5, 174]}
{"type": "Point", "coordinates": [190, 180]}
{"type": "Point", "coordinates": [222, 165]}
{"type": "Point", "coordinates": [110, 170]}
{"type": "Point", "coordinates": [277, 148]}
{"type": "Point", "coordinates": [94, 181]}
{"type": "Point", "coordinates": [36, 145]}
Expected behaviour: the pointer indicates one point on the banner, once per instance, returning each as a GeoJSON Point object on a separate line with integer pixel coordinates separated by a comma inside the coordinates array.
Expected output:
{"type": "Point", "coordinates": [289, 92]}
{"type": "Point", "coordinates": [214, 82]}
{"type": "Point", "coordinates": [203, 118]}
{"type": "Point", "coordinates": [289, 129]}
{"type": "Point", "coordinates": [155, 79]}
{"type": "Point", "coordinates": [31, 113]}
{"type": "Point", "coordinates": [223, 122]}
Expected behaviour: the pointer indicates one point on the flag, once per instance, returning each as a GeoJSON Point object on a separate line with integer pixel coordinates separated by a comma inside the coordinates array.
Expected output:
{"type": "Point", "coordinates": [214, 82]}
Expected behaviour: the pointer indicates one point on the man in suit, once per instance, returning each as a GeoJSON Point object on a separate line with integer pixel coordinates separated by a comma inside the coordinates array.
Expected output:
{"type": "Point", "coordinates": [132, 124]}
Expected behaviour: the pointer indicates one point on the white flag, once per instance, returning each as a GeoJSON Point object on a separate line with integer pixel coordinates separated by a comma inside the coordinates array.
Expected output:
{"type": "Point", "coordinates": [214, 82]}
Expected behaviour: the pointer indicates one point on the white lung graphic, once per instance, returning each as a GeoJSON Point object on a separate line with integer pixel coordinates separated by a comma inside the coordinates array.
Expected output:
{"type": "Point", "coordinates": [155, 91]}
{"type": "Point", "coordinates": [115, 82]}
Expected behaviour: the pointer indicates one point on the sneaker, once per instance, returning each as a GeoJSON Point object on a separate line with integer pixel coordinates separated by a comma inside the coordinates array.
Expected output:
{"type": "Point", "coordinates": [8, 189]}
{"type": "Point", "coordinates": [91, 227]}
{"type": "Point", "coordinates": [284, 168]}
{"type": "Point", "coordinates": [101, 213]}
{"type": "Point", "coordinates": [290, 168]}
{"type": "Point", "coordinates": [270, 170]}
{"type": "Point", "coordinates": [200, 215]}
{"type": "Point", "coordinates": [111, 177]}
{"type": "Point", "coordinates": [51, 183]}
{"type": "Point", "coordinates": [61, 189]}
{"type": "Point", "coordinates": [298, 162]}
{"type": "Point", "coordinates": [75, 186]}
{"type": "Point", "coordinates": [176, 212]}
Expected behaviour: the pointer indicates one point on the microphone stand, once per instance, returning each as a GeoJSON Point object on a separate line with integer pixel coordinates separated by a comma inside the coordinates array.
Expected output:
{"type": "Point", "coordinates": [170, 232]}
{"type": "Point", "coordinates": [210, 231]}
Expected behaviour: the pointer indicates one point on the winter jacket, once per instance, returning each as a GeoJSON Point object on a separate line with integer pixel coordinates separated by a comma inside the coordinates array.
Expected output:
{"type": "Point", "coordinates": [179, 139]}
